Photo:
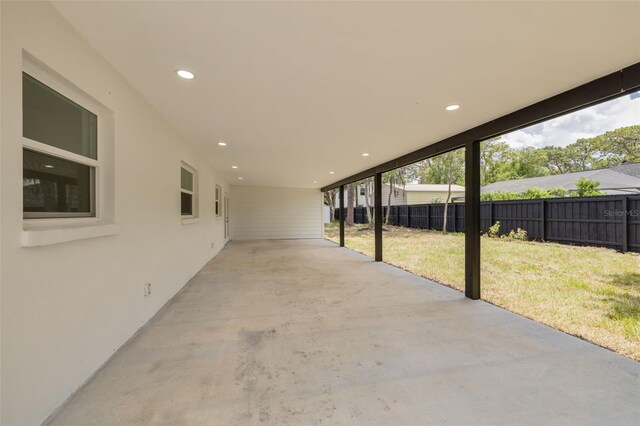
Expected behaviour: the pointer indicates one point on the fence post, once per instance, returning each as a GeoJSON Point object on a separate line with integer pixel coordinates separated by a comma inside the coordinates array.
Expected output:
{"type": "Point", "coordinates": [625, 224]}
{"type": "Point", "coordinates": [409, 216]}
{"type": "Point", "coordinates": [455, 216]}
{"type": "Point", "coordinates": [543, 231]}
{"type": "Point", "coordinates": [490, 215]}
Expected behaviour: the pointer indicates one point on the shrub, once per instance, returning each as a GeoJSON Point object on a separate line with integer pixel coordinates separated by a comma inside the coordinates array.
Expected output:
{"type": "Point", "coordinates": [559, 192]}
{"type": "Point", "coordinates": [529, 194]}
{"type": "Point", "coordinates": [500, 196]}
{"type": "Point", "coordinates": [520, 235]}
{"type": "Point", "coordinates": [494, 230]}
{"type": "Point", "coordinates": [535, 193]}
{"type": "Point", "coordinates": [587, 188]}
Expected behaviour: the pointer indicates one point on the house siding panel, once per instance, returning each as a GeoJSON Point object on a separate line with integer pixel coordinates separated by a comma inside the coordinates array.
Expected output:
{"type": "Point", "coordinates": [275, 213]}
{"type": "Point", "coordinates": [426, 197]}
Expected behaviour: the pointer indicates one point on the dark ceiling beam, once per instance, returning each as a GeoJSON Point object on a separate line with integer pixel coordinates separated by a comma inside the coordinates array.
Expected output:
{"type": "Point", "coordinates": [602, 89]}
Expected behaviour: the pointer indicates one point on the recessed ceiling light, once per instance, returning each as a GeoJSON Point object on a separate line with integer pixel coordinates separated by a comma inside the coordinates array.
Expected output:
{"type": "Point", "coordinates": [234, 167]}
{"type": "Point", "coordinates": [315, 181]}
{"type": "Point", "coordinates": [186, 74]}
{"type": "Point", "coordinates": [48, 166]}
{"type": "Point", "coordinates": [222, 143]}
{"type": "Point", "coordinates": [331, 173]}
{"type": "Point", "coordinates": [239, 178]}
{"type": "Point", "coordinates": [365, 154]}
{"type": "Point", "coordinates": [452, 107]}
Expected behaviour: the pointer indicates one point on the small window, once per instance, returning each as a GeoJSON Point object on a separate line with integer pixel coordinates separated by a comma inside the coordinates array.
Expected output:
{"type": "Point", "coordinates": [60, 154]}
{"type": "Point", "coordinates": [188, 190]}
{"type": "Point", "coordinates": [362, 192]}
{"type": "Point", "coordinates": [57, 121]}
{"type": "Point", "coordinates": [54, 185]}
{"type": "Point", "coordinates": [218, 209]}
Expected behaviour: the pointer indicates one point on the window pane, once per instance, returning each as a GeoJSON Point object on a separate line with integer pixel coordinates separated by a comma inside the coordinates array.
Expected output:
{"type": "Point", "coordinates": [217, 201]}
{"type": "Point", "coordinates": [54, 185]}
{"type": "Point", "coordinates": [186, 179]}
{"type": "Point", "coordinates": [51, 118]}
{"type": "Point", "coordinates": [186, 208]}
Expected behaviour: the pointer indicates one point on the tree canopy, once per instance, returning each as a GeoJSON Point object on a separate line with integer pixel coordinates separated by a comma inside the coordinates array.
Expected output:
{"type": "Point", "coordinates": [500, 162]}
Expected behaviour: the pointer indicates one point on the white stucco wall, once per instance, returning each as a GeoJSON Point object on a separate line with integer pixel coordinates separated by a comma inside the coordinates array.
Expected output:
{"type": "Point", "coordinates": [65, 308]}
{"type": "Point", "coordinates": [275, 213]}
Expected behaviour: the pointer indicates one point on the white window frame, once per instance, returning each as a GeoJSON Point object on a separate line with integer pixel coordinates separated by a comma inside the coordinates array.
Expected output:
{"type": "Point", "coordinates": [188, 218]}
{"type": "Point", "coordinates": [217, 202]}
{"type": "Point", "coordinates": [49, 78]}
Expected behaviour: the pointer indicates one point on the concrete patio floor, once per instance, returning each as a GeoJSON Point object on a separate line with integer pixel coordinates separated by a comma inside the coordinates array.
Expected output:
{"type": "Point", "coordinates": [304, 332]}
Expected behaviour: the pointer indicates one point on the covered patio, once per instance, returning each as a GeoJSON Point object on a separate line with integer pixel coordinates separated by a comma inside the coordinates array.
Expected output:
{"type": "Point", "coordinates": [305, 332]}
{"type": "Point", "coordinates": [162, 175]}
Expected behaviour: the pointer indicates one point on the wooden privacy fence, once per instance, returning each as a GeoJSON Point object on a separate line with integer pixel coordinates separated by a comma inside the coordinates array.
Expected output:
{"type": "Point", "coordinates": [610, 221]}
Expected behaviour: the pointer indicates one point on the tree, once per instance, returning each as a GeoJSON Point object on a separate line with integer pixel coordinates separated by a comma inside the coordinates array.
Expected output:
{"type": "Point", "coordinates": [447, 169]}
{"type": "Point", "coordinates": [493, 152]}
{"type": "Point", "coordinates": [439, 170]}
{"type": "Point", "coordinates": [522, 163]}
{"type": "Point", "coordinates": [587, 188]}
{"type": "Point", "coordinates": [350, 200]}
{"type": "Point", "coordinates": [412, 172]}
{"type": "Point", "coordinates": [556, 160]}
{"type": "Point", "coordinates": [619, 146]}
{"type": "Point", "coordinates": [396, 178]}
{"type": "Point", "coordinates": [582, 155]}
{"type": "Point", "coordinates": [606, 150]}
{"type": "Point", "coordinates": [454, 165]}
{"type": "Point", "coordinates": [368, 195]}
{"type": "Point", "coordinates": [330, 200]}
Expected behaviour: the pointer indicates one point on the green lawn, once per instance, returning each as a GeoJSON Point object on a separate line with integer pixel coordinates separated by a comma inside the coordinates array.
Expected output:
{"type": "Point", "coordinates": [589, 292]}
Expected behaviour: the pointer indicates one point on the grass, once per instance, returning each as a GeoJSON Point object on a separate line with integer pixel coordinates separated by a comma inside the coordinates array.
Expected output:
{"type": "Point", "coordinates": [589, 292]}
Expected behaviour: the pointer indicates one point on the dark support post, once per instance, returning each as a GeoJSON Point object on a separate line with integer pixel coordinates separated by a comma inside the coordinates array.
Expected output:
{"type": "Point", "coordinates": [341, 215]}
{"type": "Point", "coordinates": [472, 220]}
{"type": "Point", "coordinates": [377, 215]}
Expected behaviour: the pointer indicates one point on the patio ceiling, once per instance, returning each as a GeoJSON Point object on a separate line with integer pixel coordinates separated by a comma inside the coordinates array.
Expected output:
{"type": "Point", "coordinates": [298, 90]}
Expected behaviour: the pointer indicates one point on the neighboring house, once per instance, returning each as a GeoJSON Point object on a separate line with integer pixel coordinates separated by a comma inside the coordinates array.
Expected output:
{"type": "Point", "coordinates": [398, 197]}
{"type": "Point", "coordinates": [631, 169]}
{"type": "Point", "coordinates": [360, 197]}
{"type": "Point", "coordinates": [425, 193]}
{"type": "Point", "coordinates": [611, 182]}
{"type": "Point", "coordinates": [411, 194]}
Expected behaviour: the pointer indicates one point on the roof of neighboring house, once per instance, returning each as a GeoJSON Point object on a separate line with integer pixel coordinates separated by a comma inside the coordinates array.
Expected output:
{"type": "Point", "coordinates": [631, 169]}
{"type": "Point", "coordinates": [427, 187]}
{"type": "Point", "coordinates": [611, 182]}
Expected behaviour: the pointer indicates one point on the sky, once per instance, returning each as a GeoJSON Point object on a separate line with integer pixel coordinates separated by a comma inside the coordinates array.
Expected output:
{"type": "Point", "coordinates": [586, 123]}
